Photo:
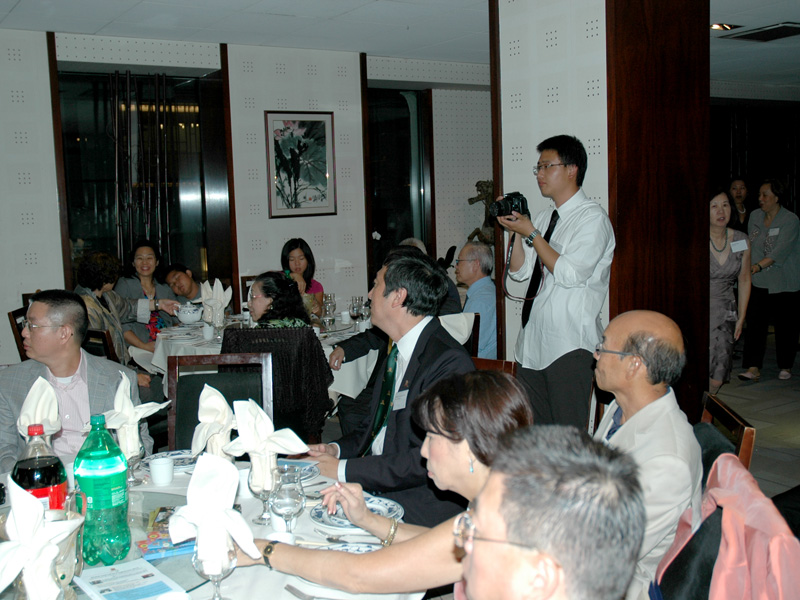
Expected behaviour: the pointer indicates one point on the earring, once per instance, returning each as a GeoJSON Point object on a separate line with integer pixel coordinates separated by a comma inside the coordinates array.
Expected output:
{"type": "Point", "coordinates": [471, 466]}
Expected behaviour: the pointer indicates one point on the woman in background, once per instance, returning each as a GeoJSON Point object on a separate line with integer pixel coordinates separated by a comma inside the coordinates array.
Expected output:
{"type": "Point", "coordinates": [298, 262]}
{"type": "Point", "coordinates": [730, 264]}
{"type": "Point", "coordinates": [740, 211]}
{"type": "Point", "coordinates": [275, 301]}
{"type": "Point", "coordinates": [142, 284]}
{"type": "Point", "coordinates": [464, 416]}
{"type": "Point", "coordinates": [774, 297]}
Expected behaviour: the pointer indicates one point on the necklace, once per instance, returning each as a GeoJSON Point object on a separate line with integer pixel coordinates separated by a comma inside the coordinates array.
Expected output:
{"type": "Point", "coordinates": [725, 245]}
{"type": "Point", "coordinates": [741, 210]}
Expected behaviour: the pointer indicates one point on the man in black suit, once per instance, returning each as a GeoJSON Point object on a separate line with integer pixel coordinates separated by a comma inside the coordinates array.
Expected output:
{"type": "Point", "coordinates": [383, 452]}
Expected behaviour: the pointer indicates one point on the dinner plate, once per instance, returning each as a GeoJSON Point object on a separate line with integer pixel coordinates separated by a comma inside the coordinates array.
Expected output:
{"type": "Point", "coordinates": [181, 336]}
{"type": "Point", "coordinates": [353, 547]}
{"type": "Point", "coordinates": [182, 458]}
{"type": "Point", "coordinates": [380, 506]}
{"type": "Point", "coordinates": [306, 471]}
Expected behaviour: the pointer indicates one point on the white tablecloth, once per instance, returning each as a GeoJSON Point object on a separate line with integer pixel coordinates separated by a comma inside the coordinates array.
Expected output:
{"type": "Point", "coordinates": [246, 582]}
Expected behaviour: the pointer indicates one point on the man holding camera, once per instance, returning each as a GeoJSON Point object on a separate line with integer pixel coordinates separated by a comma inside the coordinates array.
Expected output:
{"type": "Point", "coordinates": [566, 253]}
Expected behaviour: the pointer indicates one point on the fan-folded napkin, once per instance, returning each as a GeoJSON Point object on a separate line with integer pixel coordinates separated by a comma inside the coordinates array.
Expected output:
{"type": "Point", "coordinates": [215, 299]}
{"type": "Point", "coordinates": [258, 438]}
{"type": "Point", "coordinates": [40, 406]}
{"type": "Point", "coordinates": [209, 516]}
{"type": "Point", "coordinates": [32, 548]}
{"type": "Point", "coordinates": [213, 431]}
{"type": "Point", "coordinates": [125, 417]}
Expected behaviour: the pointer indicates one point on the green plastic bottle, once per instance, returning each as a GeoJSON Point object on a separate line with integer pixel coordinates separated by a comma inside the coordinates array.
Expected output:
{"type": "Point", "coordinates": [101, 473]}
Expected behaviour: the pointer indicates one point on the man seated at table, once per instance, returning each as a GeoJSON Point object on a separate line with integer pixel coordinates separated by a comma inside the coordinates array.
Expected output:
{"type": "Point", "coordinates": [85, 385]}
{"type": "Point", "coordinates": [383, 453]}
{"type": "Point", "coordinates": [180, 280]}
{"type": "Point", "coordinates": [560, 518]}
{"type": "Point", "coordinates": [473, 269]}
{"type": "Point", "coordinates": [640, 356]}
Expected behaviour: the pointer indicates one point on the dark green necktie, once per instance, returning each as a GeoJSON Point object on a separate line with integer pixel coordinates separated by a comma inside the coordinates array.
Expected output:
{"type": "Point", "coordinates": [387, 396]}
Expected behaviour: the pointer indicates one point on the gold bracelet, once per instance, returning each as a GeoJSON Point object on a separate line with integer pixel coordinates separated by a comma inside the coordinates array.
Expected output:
{"type": "Point", "coordinates": [392, 532]}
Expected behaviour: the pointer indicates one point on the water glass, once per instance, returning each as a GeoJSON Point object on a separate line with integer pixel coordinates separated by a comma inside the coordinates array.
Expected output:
{"type": "Point", "coordinates": [287, 498]}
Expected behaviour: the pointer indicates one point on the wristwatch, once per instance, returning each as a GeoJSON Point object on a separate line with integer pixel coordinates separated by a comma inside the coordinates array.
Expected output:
{"type": "Point", "coordinates": [267, 552]}
{"type": "Point", "coordinates": [531, 237]}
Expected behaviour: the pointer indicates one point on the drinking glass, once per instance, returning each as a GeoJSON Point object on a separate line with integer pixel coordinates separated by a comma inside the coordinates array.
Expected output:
{"type": "Point", "coordinates": [287, 498]}
{"type": "Point", "coordinates": [356, 303]}
{"type": "Point", "coordinates": [259, 491]}
{"type": "Point", "coordinates": [133, 463]}
{"type": "Point", "coordinates": [218, 569]}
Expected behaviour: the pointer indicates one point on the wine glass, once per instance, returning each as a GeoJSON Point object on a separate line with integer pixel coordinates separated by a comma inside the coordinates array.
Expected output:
{"type": "Point", "coordinates": [287, 498]}
{"type": "Point", "coordinates": [217, 568]}
{"type": "Point", "coordinates": [259, 491]}
{"type": "Point", "coordinates": [354, 308]}
{"type": "Point", "coordinates": [366, 312]}
{"type": "Point", "coordinates": [133, 463]}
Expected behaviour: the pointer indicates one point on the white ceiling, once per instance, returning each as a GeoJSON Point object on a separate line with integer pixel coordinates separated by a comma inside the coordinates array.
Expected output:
{"type": "Point", "coordinates": [445, 30]}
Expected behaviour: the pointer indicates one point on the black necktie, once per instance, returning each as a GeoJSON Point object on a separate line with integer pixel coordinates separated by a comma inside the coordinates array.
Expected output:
{"type": "Point", "coordinates": [536, 278]}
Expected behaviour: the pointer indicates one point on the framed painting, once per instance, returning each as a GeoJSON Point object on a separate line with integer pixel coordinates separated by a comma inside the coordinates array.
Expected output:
{"type": "Point", "coordinates": [300, 164]}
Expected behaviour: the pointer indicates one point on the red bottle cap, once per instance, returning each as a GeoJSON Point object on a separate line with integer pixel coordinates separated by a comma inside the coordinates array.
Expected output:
{"type": "Point", "coordinates": [35, 430]}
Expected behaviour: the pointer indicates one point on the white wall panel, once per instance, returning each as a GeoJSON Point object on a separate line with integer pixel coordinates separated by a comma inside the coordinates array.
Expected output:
{"type": "Point", "coordinates": [30, 238]}
{"type": "Point", "coordinates": [267, 79]}
{"type": "Point", "coordinates": [462, 142]}
{"type": "Point", "coordinates": [554, 81]}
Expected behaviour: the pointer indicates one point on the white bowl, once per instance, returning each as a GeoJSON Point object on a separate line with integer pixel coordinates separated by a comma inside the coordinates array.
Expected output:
{"type": "Point", "coordinates": [189, 313]}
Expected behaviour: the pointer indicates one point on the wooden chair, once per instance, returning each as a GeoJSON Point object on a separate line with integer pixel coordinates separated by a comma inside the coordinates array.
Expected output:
{"type": "Point", "coordinates": [744, 434]}
{"type": "Point", "coordinates": [184, 390]}
{"type": "Point", "coordinates": [98, 342]}
{"type": "Point", "coordinates": [489, 364]}
{"type": "Point", "coordinates": [16, 318]}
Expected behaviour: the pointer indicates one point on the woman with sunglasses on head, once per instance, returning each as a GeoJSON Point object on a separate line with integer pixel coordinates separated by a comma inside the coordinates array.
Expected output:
{"type": "Point", "coordinates": [464, 417]}
{"type": "Point", "coordinates": [274, 301]}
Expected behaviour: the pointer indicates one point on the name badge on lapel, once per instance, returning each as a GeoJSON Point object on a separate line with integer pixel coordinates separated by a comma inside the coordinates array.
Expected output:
{"type": "Point", "coordinates": [400, 400]}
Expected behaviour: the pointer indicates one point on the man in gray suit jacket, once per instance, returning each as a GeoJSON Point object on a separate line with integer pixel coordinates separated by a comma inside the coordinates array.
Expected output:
{"type": "Point", "coordinates": [84, 384]}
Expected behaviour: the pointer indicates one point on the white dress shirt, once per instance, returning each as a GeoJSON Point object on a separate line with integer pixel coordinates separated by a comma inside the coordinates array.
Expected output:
{"type": "Point", "coordinates": [566, 313]}
{"type": "Point", "coordinates": [405, 350]}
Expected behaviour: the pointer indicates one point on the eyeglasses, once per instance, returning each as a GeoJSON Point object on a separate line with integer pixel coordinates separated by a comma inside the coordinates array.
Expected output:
{"type": "Point", "coordinates": [32, 326]}
{"type": "Point", "coordinates": [544, 168]}
{"type": "Point", "coordinates": [464, 533]}
{"type": "Point", "coordinates": [600, 350]}
{"type": "Point", "coordinates": [251, 296]}
{"type": "Point", "coordinates": [460, 260]}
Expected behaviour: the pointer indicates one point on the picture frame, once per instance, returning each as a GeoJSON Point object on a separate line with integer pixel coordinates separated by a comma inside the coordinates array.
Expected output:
{"type": "Point", "coordinates": [300, 164]}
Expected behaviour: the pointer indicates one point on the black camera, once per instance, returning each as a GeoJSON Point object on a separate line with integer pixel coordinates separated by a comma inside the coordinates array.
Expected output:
{"type": "Point", "coordinates": [513, 201]}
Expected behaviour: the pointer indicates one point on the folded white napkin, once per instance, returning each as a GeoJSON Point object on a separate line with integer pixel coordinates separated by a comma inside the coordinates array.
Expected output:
{"type": "Point", "coordinates": [258, 438]}
{"type": "Point", "coordinates": [32, 548]}
{"type": "Point", "coordinates": [209, 516]}
{"type": "Point", "coordinates": [215, 299]}
{"type": "Point", "coordinates": [125, 418]}
{"type": "Point", "coordinates": [40, 406]}
{"type": "Point", "coordinates": [216, 421]}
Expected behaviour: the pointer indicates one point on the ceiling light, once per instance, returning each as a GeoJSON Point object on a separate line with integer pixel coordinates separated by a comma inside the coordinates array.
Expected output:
{"type": "Point", "coordinates": [723, 26]}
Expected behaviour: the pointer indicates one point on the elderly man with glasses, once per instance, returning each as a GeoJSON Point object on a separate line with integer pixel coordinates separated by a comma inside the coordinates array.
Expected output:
{"type": "Point", "coordinates": [565, 255]}
{"type": "Point", "coordinates": [640, 356]}
{"type": "Point", "coordinates": [85, 385]}
{"type": "Point", "coordinates": [560, 518]}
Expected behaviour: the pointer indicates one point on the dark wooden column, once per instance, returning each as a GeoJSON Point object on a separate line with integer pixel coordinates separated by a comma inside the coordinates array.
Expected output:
{"type": "Point", "coordinates": [658, 143]}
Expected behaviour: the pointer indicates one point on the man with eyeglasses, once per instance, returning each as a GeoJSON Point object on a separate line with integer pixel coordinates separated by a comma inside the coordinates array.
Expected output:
{"type": "Point", "coordinates": [565, 254]}
{"type": "Point", "coordinates": [473, 269]}
{"type": "Point", "coordinates": [561, 517]}
{"type": "Point", "coordinates": [85, 385]}
{"type": "Point", "coordinates": [640, 356]}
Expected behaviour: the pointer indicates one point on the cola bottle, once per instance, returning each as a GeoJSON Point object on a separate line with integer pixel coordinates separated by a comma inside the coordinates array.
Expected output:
{"type": "Point", "coordinates": [40, 471]}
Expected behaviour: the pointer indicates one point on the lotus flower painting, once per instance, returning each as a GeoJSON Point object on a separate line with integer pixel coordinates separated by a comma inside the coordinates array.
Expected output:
{"type": "Point", "coordinates": [300, 160]}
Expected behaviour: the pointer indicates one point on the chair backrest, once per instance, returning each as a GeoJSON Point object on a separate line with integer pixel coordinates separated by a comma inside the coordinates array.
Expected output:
{"type": "Point", "coordinates": [16, 318]}
{"type": "Point", "coordinates": [98, 342]}
{"type": "Point", "coordinates": [184, 390]}
{"type": "Point", "coordinates": [300, 374]}
{"type": "Point", "coordinates": [490, 364]}
{"type": "Point", "coordinates": [743, 433]}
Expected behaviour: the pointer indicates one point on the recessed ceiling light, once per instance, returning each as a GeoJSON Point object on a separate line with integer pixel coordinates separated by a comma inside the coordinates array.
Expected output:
{"type": "Point", "coordinates": [723, 26]}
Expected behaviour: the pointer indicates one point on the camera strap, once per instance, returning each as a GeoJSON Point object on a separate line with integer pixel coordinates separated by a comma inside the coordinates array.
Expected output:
{"type": "Point", "coordinates": [505, 272]}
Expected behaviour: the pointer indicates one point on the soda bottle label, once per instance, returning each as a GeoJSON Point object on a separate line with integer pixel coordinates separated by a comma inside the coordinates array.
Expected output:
{"type": "Point", "coordinates": [105, 492]}
{"type": "Point", "coordinates": [52, 497]}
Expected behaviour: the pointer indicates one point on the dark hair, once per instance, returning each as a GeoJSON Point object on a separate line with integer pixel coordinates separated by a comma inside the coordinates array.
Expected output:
{"type": "Point", "coordinates": [664, 362]}
{"type": "Point", "coordinates": [716, 191]}
{"type": "Point", "coordinates": [570, 150]}
{"type": "Point", "coordinates": [176, 267]}
{"type": "Point", "coordinates": [130, 269]}
{"type": "Point", "coordinates": [576, 500]}
{"type": "Point", "coordinates": [777, 186]}
{"type": "Point", "coordinates": [294, 244]}
{"type": "Point", "coordinates": [423, 279]}
{"type": "Point", "coordinates": [478, 407]}
{"type": "Point", "coordinates": [286, 299]}
{"type": "Point", "coordinates": [97, 269]}
{"type": "Point", "coordinates": [65, 308]}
